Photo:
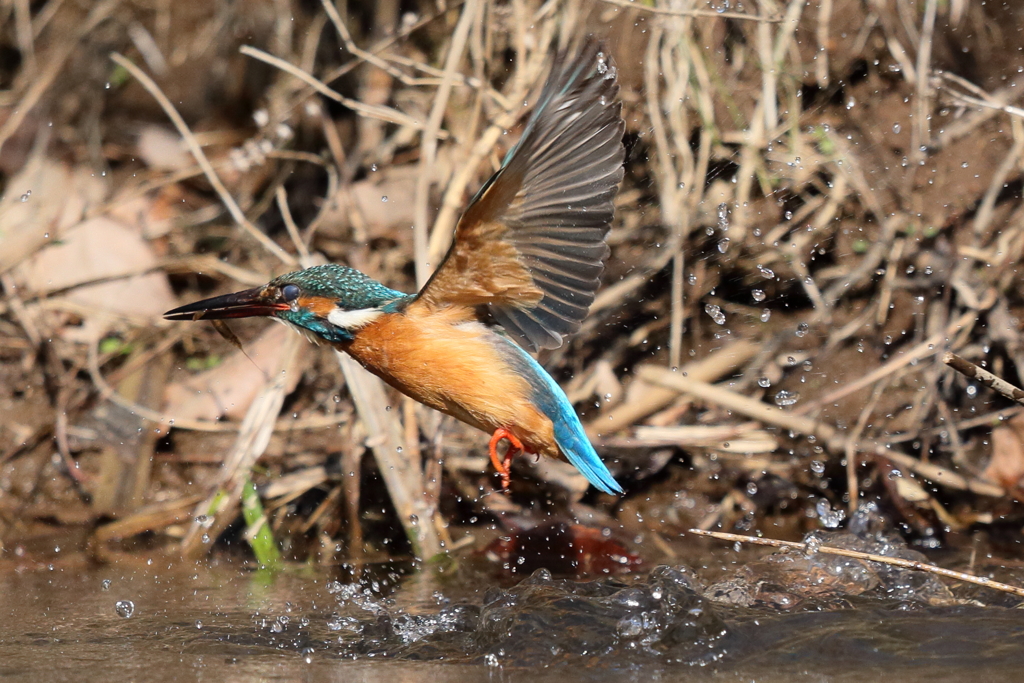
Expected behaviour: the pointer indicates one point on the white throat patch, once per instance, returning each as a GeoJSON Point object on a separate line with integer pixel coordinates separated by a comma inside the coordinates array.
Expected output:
{"type": "Point", "coordinates": [353, 320]}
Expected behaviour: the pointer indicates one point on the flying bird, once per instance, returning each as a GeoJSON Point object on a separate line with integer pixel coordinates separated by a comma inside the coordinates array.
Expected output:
{"type": "Point", "coordinates": [520, 276]}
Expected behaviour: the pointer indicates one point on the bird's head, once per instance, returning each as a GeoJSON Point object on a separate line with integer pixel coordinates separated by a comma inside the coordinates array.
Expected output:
{"type": "Point", "coordinates": [326, 303]}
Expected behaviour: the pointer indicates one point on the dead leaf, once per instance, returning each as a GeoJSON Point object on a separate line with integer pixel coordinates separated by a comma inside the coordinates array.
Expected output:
{"type": "Point", "coordinates": [41, 202]}
{"type": "Point", "coordinates": [101, 264]}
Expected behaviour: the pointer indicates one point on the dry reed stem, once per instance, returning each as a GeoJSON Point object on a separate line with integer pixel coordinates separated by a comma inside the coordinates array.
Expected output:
{"type": "Point", "coordinates": [871, 557]}
{"type": "Point", "coordinates": [403, 478]}
{"type": "Point", "coordinates": [670, 12]}
{"type": "Point", "coordinates": [428, 143]}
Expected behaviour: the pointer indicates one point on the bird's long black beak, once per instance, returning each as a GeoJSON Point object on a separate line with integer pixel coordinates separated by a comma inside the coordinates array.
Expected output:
{"type": "Point", "coordinates": [245, 304]}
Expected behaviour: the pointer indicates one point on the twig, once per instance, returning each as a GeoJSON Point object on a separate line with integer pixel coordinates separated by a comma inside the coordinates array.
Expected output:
{"type": "Point", "coordinates": [870, 557]}
{"type": "Point", "coordinates": [289, 224]}
{"type": "Point", "coordinates": [374, 111]}
{"type": "Point", "coordinates": [691, 12]}
{"type": "Point", "coordinates": [983, 376]}
{"type": "Point", "coordinates": [200, 157]}
{"type": "Point", "coordinates": [428, 144]}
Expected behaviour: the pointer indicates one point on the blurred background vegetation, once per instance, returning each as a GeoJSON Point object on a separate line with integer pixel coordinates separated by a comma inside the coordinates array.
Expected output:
{"type": "Point", "coordinates": [820, 199]}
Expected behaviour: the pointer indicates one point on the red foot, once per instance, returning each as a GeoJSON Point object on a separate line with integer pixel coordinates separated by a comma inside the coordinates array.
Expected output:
{"type": "Point", "coordinates": [501, 465]}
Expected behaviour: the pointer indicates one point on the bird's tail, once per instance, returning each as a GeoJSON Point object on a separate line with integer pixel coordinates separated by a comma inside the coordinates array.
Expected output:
{"type": "Point", "coordinates": [569, 434]}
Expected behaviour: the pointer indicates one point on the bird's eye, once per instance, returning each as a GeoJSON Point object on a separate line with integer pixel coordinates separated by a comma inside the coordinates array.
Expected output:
{"type": "Point", "coordinates": [290, 292]}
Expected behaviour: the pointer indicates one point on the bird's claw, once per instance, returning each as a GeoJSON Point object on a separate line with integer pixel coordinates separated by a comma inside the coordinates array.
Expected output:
{"type": "Point", "coordinates": [502, 463]}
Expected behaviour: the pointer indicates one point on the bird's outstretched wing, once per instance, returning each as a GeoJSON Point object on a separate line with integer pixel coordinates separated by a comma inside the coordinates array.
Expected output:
{"type": "Point", "coordinates": [531, 245]}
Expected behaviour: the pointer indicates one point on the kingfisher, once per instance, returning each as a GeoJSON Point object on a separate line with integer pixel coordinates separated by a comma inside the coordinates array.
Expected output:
{"type": "Point", "coordinates": [520, 276]}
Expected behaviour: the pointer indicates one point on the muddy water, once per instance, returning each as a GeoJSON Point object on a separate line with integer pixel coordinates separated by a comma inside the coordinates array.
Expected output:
{"type": "Point", "coordinates": [224, 623]}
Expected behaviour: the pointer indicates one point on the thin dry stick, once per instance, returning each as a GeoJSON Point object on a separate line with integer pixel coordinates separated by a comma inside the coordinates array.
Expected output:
{"type": "Point", "coordinates": [920, 132]}
{"type": "Point", "coordinates": [690, 12]}
{"type": "Point", "coordinates": [200, 157]}
{"type": "Point", "coordinates": [428, 144]}
{"type": "Point", "coordinates": [293, 229]}
{"type": "Point", "coordinates": [853, 490]}
{"type": "Point", "coordinates": [983, 376]}
{"type": "Point", "coordinates": [667, 189]}
{"type": "Point", "coordinates": [871, 557]}
{"type": "Point", "coordinates": [374, 111]}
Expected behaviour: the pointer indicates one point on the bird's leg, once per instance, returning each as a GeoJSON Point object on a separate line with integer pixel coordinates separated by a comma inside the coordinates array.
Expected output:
{"type": "Point", "coordinates": [501, 465]}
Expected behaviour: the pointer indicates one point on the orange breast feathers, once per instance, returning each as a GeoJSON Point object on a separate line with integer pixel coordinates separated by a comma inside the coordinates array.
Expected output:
{"type": "Point", "coordinates": [444, 359]}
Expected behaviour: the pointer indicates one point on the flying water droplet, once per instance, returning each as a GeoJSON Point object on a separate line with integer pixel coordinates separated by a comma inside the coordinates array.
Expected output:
{"type": "Point", "coordinates": [715, 312]}
{"type": "Point", "coordinates": [801, 329]}
{"type": "Point", "coordinates": [786, 398]}
{"type": "Point", "coordinates": [124, 608]}
{"type": "Point", "coordinates": [829, 517]}
{"type": "Point", "coordinates": [24, 197]}
{"type": "Point", "coordinates": [758, 295]}
{"type": "Point", "coordinates": [766, 315]}
{"type": "Point", "coordinates": [764, 382]}
{"type": "Point", "coordinates": [766, 272]}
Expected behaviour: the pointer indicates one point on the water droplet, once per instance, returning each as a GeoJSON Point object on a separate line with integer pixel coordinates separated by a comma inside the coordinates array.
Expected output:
{"type": "Point", "coordinates": [818, 467]}
{"type": "Point", "coordinates": [723, 245]}
{"type": "Point", "coordinates": [105, 584]}
{"type": "Point", "coordinates": [723, 217]}
{"type": "Point", "coordinates": [24, 197]}
{"type": "Point", "coordinates": [851, 103]}
{"type": "Point", "coordinates": [373, 167]}
{"type": "Point", "coordinates": [972, 391]}
{"type": "Point", "coordinates": [199, 624]}
{"type": "Point", "coordinates": [384, 198]}
{"type": "Point", "coordinates": [896, 128]}
{"type": "Point", "coordinates": [829, 517]}
{"type": "Point", "coordinates": [691, 279]}
{"type": "Point", "coordinates": [751, 489]}
{"type": "Point", "coordinates": [801, 329]}
{"type": "Point", "coordinates": [786, 398]}
{"type": "Point", "coordinates": [758, 295]}
{"type": "Point", "coordinates": [766, 315]}
{"type": "Point", "coordinates": [766, 272]}
{"type": "Point", "coordinates": [715, 312]}
{"type": "Point", "coordinates": [764, 382]}
{"type": "Point", "coordinates": [124, 608]}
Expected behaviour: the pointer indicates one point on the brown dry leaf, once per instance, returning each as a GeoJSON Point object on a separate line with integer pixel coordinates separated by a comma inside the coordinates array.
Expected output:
{"type": "Point", "coordinates": [1006, 467]}
{"type": "Point", "coordinates": [41, 202]}
{"type": "Point", "coordinates": [111, 256]}
{"type": "Point", "coordinates": [228, 389]}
